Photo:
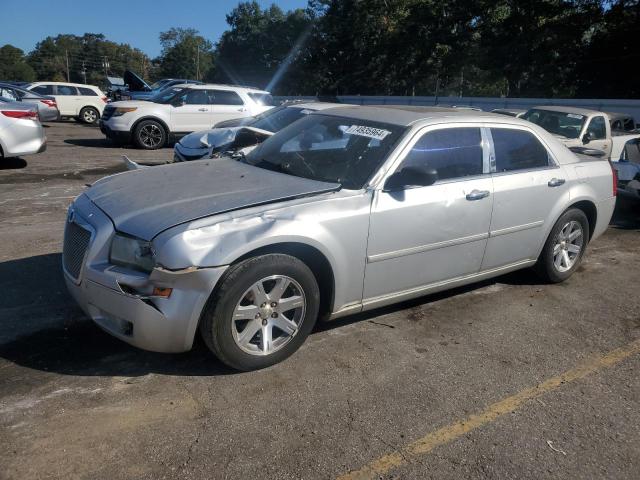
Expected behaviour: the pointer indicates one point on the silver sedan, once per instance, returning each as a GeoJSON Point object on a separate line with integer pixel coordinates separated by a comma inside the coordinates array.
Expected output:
{"type": "Point", "coordinates": [47, 106]}
{"type": "Point", "coordinates": [21, 132]}
{"type": "Point", "coordinates": [343, 211]}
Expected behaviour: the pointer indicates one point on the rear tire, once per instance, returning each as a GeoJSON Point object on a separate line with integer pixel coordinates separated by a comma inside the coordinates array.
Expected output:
{"type": "Point", "coordinates": [262, 312]}
{"type": "Point", "coordinates": [89, 115]}
{"type": "Point", "coordinates": [149, 135]}
{"type": "Point", "coordinates": [564, 248]}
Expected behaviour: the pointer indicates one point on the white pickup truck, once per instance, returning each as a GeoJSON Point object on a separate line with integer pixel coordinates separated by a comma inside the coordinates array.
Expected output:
{"type": "Point", "coordinates": [616, 136]}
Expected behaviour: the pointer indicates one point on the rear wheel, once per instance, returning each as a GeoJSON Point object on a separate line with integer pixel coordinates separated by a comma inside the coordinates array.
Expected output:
{"type": "Point", "coordinates": [262, 313]}
{"type": "Point", "coordinates": [149, 135]}
{"type": "Point", "coordinates": [89, 115]}
{"type": "Point", "coordinates": [565, 246]}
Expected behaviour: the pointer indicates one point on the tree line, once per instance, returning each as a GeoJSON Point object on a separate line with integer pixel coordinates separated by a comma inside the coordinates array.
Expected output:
{"type": "Point", "coordinates": [533, 48]}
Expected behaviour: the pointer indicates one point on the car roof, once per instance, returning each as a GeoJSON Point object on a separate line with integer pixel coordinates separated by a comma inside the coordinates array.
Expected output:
{"type": "Point", "coordinates": [575, 110]}
{"type": "Point", "coordinates": [65, 83]}
{"type": "Point", "coordinates": [221, 86]}
{"type": "Point", "coordinates": [406, 115]}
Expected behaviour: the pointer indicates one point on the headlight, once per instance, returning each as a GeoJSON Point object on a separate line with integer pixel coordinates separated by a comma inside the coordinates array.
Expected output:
{"type": "Point", "coordinates": [132, 253]}
{"type": "Point", "coordinates": [122, 110]}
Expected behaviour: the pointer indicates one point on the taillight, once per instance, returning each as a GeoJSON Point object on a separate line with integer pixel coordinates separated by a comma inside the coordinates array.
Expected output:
{"type": "Point", "coordinates": [25, 114]}
{"type": "Point", "coordinates": [50, 103]}
{"type": "Point", "coordinates": [105, 99]}
{"type": "Point", "coordinates": [614, 174]}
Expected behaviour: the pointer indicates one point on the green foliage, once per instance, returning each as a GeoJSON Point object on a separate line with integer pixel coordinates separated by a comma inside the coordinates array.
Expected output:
{"type": "Point", "coordinates": [185, 54]}
{"type": "Point", "coordinates": [13, 65]}
{"type": "Point", "coordinates": [546, 48]}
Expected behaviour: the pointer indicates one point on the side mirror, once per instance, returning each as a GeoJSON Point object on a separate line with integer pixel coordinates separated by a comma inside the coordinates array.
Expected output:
{"type": "Point", "coordinates": [411, 177]}
{"type": "Point", "coordinates": [586, 138]}
{"type": "Point", "coordinates": [178, 102]}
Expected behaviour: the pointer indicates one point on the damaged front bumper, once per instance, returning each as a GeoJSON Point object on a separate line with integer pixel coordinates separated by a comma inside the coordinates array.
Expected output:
{"type": "Point", "coordinates": [121, 301]}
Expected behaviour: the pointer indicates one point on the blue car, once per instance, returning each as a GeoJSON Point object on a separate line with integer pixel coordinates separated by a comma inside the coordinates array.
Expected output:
{"type": "Point", "coordinates": [138, 89]}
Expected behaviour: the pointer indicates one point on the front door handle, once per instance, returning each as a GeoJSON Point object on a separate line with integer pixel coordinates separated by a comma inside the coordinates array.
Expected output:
{"type": "Point", "coordinates": [202, 109]}
{"type": "Point", "coordinates": [477, 194]}
{"type": "Point", "coordinates": [556, 182]}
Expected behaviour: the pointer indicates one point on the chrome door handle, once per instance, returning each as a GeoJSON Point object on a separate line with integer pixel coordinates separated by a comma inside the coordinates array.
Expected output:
{"type": "Point", "coordinates": [556, 182]}
{"type": "Point", "coordinates": [241, 109]}
{"type": "Point", "coordinates": [202, 109]}
{"type": "Point", "coordinates": [477, 194]}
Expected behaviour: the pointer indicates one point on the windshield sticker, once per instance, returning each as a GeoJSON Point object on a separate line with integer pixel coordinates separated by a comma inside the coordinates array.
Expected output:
{"type": "Point", "coordinates": [370, 132]}
{"type": "Point", "coordinates": [573, 115]}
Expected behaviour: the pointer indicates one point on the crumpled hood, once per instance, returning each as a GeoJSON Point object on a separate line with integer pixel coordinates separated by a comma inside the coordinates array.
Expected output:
{"type": "Point", "coordinates": [216, 137]}
{"type": "Point", "coordinates": [145, 202]}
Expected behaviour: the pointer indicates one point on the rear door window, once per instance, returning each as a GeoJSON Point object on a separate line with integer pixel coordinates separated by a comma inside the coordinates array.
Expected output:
{"type": "Point", "coordinates": [518, 150]}
{"type": "Point", "coordinates": [67, 90]}
{"type": "Point", "coordinates": [452, 152]}
{"type": "Point", "coordinates": [226, 97]}
{"type": "Point", "coordinates": [43, 89]}
{"type": "Point", "coordinates": [9, 93]}
{"type": "Point", "coordinates": [87, 92]}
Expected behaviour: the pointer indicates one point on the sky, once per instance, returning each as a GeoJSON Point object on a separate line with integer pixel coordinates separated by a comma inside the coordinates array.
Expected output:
{"type": "Point", "coordinates": [136, 22]}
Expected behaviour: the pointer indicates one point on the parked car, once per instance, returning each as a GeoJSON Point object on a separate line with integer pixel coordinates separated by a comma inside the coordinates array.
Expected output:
{"type": "Point", "coordinates": [21, 132]}
{"type": "Point", "coordinates": [511, 112]}
{"type": "Point", "coordinates": [47, 106]}
{"type": "Point", "coordinates": [208, 143]}
{"type": "Point", "coordinates": [580, 128]}
{"type": "Point", "coordinates": [175, 112]}
{"type": "Point", "coordinates": [85, 103]}
{"type": "Point", "coordinates": [345, 210]}
{"type": "Point", "coordinates": [138, 89]}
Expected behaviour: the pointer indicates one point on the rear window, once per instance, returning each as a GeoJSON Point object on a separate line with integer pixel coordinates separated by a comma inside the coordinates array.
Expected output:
{"type": "Point", "coordinates": [43, 89]}
{"type": "Point", "coordinates": [263, 99]}
{"type": "Point", "coordinates": [67, 90]}
{"type": "Point", "coordinates": [518, 150]}
{"type": "Point", "coordinates": [87, 91]}
{"type": "Point", "coordinates": [226, 97]}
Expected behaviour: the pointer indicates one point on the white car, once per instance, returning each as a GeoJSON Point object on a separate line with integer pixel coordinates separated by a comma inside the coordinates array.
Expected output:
{"type": "Point", "coordinates": [21, 132]}
{"type": "Point", "coordinates": [177, 111]}
{"type": "Point", "coordinates": [82, 102]}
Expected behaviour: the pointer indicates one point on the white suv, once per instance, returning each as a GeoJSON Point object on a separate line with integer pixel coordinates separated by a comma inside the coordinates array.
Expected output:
{"type": "Point", "coordinates": [180, 110]}
{"type": "Point", "coordinates": [82, 102]}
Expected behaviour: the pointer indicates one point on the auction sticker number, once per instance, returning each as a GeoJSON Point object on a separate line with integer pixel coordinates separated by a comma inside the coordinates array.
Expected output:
{"type": "Point", "coordinates": [369, 132]}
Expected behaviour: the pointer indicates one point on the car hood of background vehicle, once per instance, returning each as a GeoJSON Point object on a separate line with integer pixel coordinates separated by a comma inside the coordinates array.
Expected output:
{"type": "Point", "coordinates": [136, 84]}
{"type": "Point", "coordinates": [145, 202]}
{"type": "Point", "coordinates": [217, 137]}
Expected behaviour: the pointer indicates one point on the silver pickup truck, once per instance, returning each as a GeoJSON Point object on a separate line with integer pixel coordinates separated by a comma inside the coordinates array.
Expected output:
{"type": "Point", "coordinates": [616, 135]}
{"type": "Point", "coordinates": [345, 210]}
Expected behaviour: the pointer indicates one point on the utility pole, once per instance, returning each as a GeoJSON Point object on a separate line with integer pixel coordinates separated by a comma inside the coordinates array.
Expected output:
{"type": "Point", "coordinates": [66, 54]}
{"type": "Point", "coordinates": [198, 61]}
{"type": "Point", "coordinates": [84, 73]}
{"type": "Point", "coordinates": [461, 81]}
{"type": "Point", "coordinates": [105, 64]}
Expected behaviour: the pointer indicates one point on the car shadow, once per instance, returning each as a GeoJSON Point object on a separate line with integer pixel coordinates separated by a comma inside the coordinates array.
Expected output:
{"type": "Point", "coordinates": [12, 163]}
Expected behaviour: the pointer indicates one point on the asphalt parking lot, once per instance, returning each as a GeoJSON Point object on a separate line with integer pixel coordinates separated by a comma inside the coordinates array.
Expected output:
{"type": "Point", "coordinates": [508, 378]}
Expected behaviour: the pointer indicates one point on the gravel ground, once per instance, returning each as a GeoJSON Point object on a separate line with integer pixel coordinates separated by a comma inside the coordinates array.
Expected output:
{"type": "Point", "coordinates": [77, 403]}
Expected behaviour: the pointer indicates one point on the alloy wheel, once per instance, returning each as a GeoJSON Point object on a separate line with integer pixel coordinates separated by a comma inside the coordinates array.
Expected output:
{"type": "Point", "coordinates": [151, 136]}
{"type": "Point", "coordinates": [89, 115]}
{"type": "Point", "coordinates": [268, 315]}
{"type": "Point", "coordinates": [568, 245]}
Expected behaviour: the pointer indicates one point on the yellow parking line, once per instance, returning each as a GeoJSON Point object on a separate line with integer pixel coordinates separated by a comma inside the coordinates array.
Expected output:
{"type": "Point", "coordinates": [451, 432]}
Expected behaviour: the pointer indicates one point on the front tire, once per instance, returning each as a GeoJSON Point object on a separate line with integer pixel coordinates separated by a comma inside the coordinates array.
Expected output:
{"type": "Point", "coordinates": [89, 115]}
{"type": "Point", "coordinates": [565, 247]}
{"type": "Point", "coordinates": [149, 135]}
{"type": "Point", "coordinates": [262, 312]}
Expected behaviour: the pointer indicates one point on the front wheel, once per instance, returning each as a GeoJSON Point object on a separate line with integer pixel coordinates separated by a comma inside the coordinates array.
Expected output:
{"type": "Point", "coordinates": [149, 135]}
{"type": "Point", "coordinates": [262, 313]}
{"type": "Point", "coordinates": [565, 246]}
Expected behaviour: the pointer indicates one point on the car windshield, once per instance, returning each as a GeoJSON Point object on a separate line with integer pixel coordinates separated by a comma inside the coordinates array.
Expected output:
{"type": "Point", "coordinates": [327, 148]}
{"type": "Point", "coordinates": [166, 95]}
{"type": "Point", "coordinates": [158, 84]}
{"type": "Point", "coordinates": [276, 119]}
{"type": "Point", "coordinates": [568, 125]}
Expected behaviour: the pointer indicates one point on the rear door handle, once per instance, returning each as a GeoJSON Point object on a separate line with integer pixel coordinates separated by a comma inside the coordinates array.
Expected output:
{"type": "Point", "coordinates": [203, 109]}
{"type": "Point", "coordinates": [556, 182]}
{"type": "Point", "coordinates": [477, 194]}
